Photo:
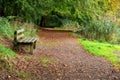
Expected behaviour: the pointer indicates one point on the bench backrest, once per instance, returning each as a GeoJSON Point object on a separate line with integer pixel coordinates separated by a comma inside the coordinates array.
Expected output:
{"type": "Point", "coordinates": [18, 35]}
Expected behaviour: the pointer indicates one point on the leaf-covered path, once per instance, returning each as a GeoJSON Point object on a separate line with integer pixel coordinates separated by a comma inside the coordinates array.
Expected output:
{"type": "Point", "coordinates": [58, 56]}
{"type": "Point", "coordinates": [74, 62]}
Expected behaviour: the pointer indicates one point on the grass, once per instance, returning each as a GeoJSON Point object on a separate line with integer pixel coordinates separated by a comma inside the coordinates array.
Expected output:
{"type": "Point", "coordinates": [5, 28]}
{"type": "Point", "coordinates": [5, 55]}
{"type": "Point", "coordinates": [102, 49]}
{"type": "Point", "coordinates": [6, 52]}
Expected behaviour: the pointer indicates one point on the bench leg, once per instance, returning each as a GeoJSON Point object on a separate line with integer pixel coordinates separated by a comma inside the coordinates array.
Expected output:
{"type": "Point", "coordinates": [31, 48]}
{"type": "Point", "coordinates": [34, 45]}
{"type": "Point", "coordinates": [15, 46]}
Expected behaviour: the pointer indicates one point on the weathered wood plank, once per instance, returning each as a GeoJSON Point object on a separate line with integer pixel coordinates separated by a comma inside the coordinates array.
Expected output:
{"type": "Point", "coordinates": [28, 40]}
{"type": "Point", "coordinates": [20, 31]}
{"type": "Point", "coordinates": [19, 37]}
{"type": "Point", "coordinates": [34, 40]}
{"type": "Point", "coordinates": [22, 40]}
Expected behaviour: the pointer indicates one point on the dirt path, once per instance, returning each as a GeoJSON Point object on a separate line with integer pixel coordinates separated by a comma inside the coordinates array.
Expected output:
{"type": "Point", "coordinates": [78, 64]}
{"type": "Point", "coordinates": [58, 56]}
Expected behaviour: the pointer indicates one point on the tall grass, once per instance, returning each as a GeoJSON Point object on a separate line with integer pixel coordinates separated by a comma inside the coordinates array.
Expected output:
{"type": "Point", "coordinates": [101, 30]}
{"type": "Point", "coordinates": [5, 28]}
{"type": "Point", "coordinates": [117, 36]}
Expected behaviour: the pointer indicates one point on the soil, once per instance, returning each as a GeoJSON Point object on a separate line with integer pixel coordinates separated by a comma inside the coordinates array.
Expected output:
{"type": "Point", "coordinates": [58, 56]}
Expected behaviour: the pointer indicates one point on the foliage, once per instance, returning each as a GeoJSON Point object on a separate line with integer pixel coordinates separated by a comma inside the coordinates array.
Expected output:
{"type": "Point", "coordinates": [102, 49]}
{"type": "Point", "coordinates": [80, 10]}
{"type": "Point", "coordinates": [6, 52]}
{"type": "Point", "coordinates": [115, 5]}
{"type": "Point", "coordinates": [7, 29]}
{"type": "Point", "coordinates": [50, 21]}
{"type": "Point", "coordinates": [116, 36]}
{"type": "Point", "coordinates": [86, 13]}
{"type": "Point", "coordinates": [100, 29]}
{"type": "Point", "coordinates": [69, 25]}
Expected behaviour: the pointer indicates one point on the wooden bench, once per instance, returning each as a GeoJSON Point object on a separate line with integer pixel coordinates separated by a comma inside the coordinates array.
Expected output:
{"type": "Point", "coordinates": [19, 39]}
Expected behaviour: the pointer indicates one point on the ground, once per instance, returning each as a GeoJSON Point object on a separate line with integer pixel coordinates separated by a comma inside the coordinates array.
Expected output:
{"type": "Point", "coordinates": [58, 56]}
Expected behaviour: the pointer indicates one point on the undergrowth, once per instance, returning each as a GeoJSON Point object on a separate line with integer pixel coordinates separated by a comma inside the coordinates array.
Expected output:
{"type": "Point", "coordinates": [6, 52]}
{"type": "Point", "coordinates": [102, 49]}
{"type": "Point", "coordinates": [7, 28]}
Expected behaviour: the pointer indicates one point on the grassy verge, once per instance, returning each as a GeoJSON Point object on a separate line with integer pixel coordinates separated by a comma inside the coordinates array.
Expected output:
{"type": "Point", "coordinates": [102, 49]}
{"type": "Point", "coordinates": [6, 52]}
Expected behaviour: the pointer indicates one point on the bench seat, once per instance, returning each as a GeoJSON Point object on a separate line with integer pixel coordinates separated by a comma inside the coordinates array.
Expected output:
{"type": "Point", "coordinates": [27, 40]}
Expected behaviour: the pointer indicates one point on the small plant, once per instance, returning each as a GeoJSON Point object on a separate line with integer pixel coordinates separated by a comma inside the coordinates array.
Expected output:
{"type": "Point", "coordinates": [27, 57]}
{"type": "Point", "coordinates": [46, 60]}
{"type": "Point", "coordinates": [24, 75]}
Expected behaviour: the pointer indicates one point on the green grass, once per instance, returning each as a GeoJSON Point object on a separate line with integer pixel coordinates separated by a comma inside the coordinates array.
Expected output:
{"type": "Point", "coordinates": [5, 28]}
{"type": "Point", "coordinates": [102, 49]}
{"type": "Point", "coordinates": [6, 52]}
